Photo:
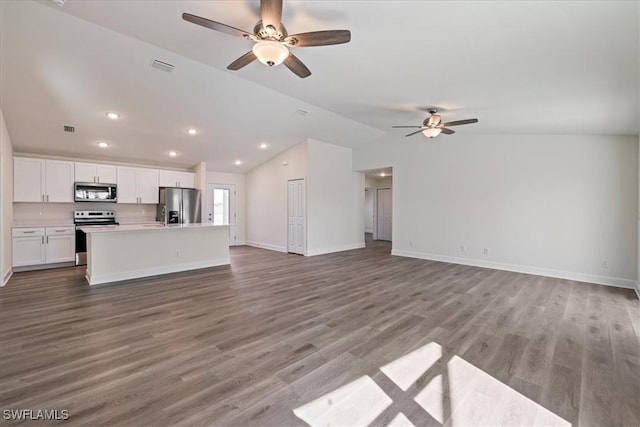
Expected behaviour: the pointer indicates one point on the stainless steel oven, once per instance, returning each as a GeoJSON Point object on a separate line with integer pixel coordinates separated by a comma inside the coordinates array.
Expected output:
{"type": "Point", "coordinates": [92, 192]}
{"type": "Point", "coordinates": [89, 219]}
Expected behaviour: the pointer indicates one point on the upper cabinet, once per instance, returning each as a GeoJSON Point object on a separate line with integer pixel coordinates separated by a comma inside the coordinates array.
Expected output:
{"type": "Point", "coordinates": [177, 179]}
{"type": "Point", "coordinates": [137, 185]}
{"type": "Point", "coordinates": [40, 180]}
{"type": "Point", "coordinates": [92, 172]}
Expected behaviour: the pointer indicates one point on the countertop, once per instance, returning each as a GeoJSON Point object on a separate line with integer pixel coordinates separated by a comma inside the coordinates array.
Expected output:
{"type": "Point", "coordinates": [43, 223]}
{"type": "Point", "coordinates": [144, 227]}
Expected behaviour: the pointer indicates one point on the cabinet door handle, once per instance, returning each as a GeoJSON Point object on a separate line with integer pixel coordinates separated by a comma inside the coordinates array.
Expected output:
{"type": "Point", "coordinates": [47, 240]}
{"type": "Point", "coordinates": [43, 240]}
{"type": "Point", "coordinates": [43, 198]}
{"type": "Point", "coordinates": [98, 179]}
{"type": "Point", "coordinates": [47, 198]}
{"type": "Point", "coordinates": [28, 232]}
{"type": "Point", "coordinates": [60, 231]}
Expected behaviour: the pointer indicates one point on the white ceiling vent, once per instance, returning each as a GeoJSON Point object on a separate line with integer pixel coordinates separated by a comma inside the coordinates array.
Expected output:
{"type": "Point", "coordinates": [161, 65]}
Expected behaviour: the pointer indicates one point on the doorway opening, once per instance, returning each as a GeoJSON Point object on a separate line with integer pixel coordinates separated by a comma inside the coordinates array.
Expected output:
{"type": "Point", "coordinates": [221, 208]}
{"type": "Point", "coordinates": [378, 206]}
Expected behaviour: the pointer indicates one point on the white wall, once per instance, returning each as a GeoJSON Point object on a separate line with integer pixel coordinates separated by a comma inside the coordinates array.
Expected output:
{"type": "Point", "coordinates": [6, 201]}
{"type": "Point", "coordinates": [335, 200]}
{"type": "Point", "coordinates": [266, 199]}
{"type": "Point", "coordinates": [241, 195]}
{"type": "Point", "coordinates": [557, 205]}
{"type": "Point", "coordinates": [379, 182]}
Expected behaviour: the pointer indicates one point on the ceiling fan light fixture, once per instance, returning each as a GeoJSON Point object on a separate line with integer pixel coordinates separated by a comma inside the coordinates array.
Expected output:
{"type": "Point", "coordinates": [432, 132]}
{"type": "Point", "coordinates": [270, 52]}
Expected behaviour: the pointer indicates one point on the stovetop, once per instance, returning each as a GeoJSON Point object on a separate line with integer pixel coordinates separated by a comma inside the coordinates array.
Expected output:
{"type": "Point", "coordinates": [94, 218]}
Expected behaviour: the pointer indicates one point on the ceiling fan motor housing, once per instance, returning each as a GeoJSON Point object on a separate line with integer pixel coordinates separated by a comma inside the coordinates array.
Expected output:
{"type": "Point", "coordinates": [269, 32]}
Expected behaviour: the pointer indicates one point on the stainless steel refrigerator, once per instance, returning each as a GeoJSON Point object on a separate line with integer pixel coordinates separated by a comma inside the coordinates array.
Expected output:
{"type": "Point", "coordinates": [179, 206]}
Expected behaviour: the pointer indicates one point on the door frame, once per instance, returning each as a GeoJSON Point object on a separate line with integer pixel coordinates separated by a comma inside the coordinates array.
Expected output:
{"type": "Point", "coordinates": [304, 227]}
{"type": "Point", "coordinates": [233, 208]}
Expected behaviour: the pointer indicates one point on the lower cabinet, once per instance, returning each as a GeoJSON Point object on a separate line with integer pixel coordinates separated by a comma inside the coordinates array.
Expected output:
{"type": "Point", "coordinates": [43, 245]}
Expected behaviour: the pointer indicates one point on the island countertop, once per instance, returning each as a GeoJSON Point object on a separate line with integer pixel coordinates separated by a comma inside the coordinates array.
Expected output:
{"type": "Point", "coordinates": [124, 252]}
{"type": "Point", "coordinates": [144, 227]}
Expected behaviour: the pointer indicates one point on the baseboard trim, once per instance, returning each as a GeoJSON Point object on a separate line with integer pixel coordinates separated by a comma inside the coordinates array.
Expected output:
{"type": "Point", "coordinates": [266, 246]}
{"type": "Point", "coordinates": [637, 289]}
{"type": "Point", "coordinates": [6, 276]}
{"type": "Point", "coordinates": [148, 272]}
{"type": "Point", "coordinates": [336, 249]}
{"type": "Point", "coordinates": [43, 266]}
{"type": "Point", "coordinates": [559, 274]}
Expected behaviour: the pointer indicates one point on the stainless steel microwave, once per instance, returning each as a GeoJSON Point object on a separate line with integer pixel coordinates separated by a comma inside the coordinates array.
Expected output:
{"type": "Point", "coordinates": [92, 192]}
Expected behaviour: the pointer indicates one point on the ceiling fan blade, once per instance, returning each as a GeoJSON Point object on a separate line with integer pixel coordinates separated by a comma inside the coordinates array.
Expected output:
{"type": "Point", "coordinates": [319, 38]}
{"type": "Point", "coordinates": [399, 127]}
{"type": "Point", "coordinates": [447, 131]}
{"type": "Point", "coordinates": [271, 13]}
{"type": "Point", "coordinates": [295, 65]}
{"type": "Point", "coordinates": [461, 122]}
{"type": "Point", "coordinates": [244, 60]}
{"type": "Point", "coordinates": [413, 133]}
{"type": "Point", "coordinates": [213, 25]}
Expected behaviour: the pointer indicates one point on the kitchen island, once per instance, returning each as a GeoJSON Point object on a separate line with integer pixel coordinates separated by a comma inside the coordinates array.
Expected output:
{"type": "Point", "coordinates": [123, 252]}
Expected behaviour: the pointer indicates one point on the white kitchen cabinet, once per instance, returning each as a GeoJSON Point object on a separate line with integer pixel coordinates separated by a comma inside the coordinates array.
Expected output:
{"type": "Point", "coordinates": [43, 245]}
{"type": "Point", "coordinates": [59, 177]}
{"type": "Point", "coordinates": [92, 172]}
{"type": "Point", "coordinates": [60, 244]}
{"type": "Point", "coordinates": [28, 246]}
{"type": "Point", "coordinates": [137, 185]}
{"type": "Point", "coordinates": [40, 180]}
{"type": "Point", "coordinates": [28, 179]}
{"type": "Point", "coordinates": [176, 179]}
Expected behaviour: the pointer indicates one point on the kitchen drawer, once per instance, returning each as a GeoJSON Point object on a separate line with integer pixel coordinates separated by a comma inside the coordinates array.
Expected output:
{"type": "Point", "coordinates": [27, 231]}
{"type": "Point", "coordinates": [60, 231]}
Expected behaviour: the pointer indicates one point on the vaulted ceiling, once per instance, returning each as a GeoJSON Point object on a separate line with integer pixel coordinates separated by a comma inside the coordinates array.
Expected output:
{"type": "Point", "coordinates": [568, 67]}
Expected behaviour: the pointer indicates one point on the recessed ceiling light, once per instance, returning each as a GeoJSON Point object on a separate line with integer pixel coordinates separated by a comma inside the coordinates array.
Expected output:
{"type": "Point", "coordinates": [264, 145]}
{"type": "Point", "coordinates": [103, 144]}
{"type": "Point", "coordinates": [113, 116]}
{"type": "Point", "coordinates": [238, 162]}
{"type": "Point", "coordinates": [192, 131]}
{"type": "Point", "coordinates": [173, 153]}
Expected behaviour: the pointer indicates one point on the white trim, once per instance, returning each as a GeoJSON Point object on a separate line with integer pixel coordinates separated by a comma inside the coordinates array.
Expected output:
{"type": "Point", "coordinates": [266, 246]}
{"type": "Point", "coordinates": [146, 272]}
{"type": "Point", "coordinates": [6, 277]}
{"type": "Point", "coordinates": [239, 243]}
{"type": "Point", "coordinates": [637, 289]}
{"type": "Point", "coordinates": [336, 249]}
{"type": "Point", "coordinates": [569, 275]}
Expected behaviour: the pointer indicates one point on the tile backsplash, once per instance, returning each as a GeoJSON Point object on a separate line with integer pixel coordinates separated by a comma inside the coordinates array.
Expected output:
{"type": "Point", "coordinates": [33, 212]}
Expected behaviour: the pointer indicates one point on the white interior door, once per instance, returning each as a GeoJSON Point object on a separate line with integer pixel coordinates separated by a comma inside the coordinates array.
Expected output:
{"type": "Point", "coordinates": [369, 211]}
{"type": "Point", "coordinates": [296, 239]}
{"type": "Point", "coordinates": [221, 208]}
{"type": "Point", "coordinates": [384, 214]}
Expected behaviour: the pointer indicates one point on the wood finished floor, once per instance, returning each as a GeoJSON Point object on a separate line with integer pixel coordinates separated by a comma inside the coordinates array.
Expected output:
{"type": "Point", "coordinates": [247, 344]}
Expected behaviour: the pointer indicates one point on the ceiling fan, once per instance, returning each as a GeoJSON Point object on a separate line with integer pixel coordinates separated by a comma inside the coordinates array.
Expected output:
{"type": "Point", "coordinates": [272, 41]}
{"type": "Point", "coordinates": [433, 126]}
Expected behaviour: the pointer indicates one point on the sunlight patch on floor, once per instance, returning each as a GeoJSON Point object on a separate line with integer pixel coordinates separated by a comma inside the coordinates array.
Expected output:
{"type": "Point", "coordinates": [458, 394]}
{"type": "Point", "coordinates": [355, 404]}
{"type": "Point", "coordinates": [405, 370]}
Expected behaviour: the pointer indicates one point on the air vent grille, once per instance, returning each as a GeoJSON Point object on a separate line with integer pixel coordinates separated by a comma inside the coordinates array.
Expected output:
{"type": "Point", "coordinates": [161, 65]}
{"type": "Point", "coordinates": [68, 128]}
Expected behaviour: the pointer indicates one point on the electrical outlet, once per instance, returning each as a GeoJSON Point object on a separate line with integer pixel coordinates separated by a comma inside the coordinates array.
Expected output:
{"type": "Point", "coordinates": [463, 248]}
{"type": "Point", "coordinates": [177, 254]}
{"type": "Point", "coordinates": [604, 263]}
{"type": "Point", "coordinates": [486, 251]}
{"type": "Point", "coordinates": [411, 243]}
